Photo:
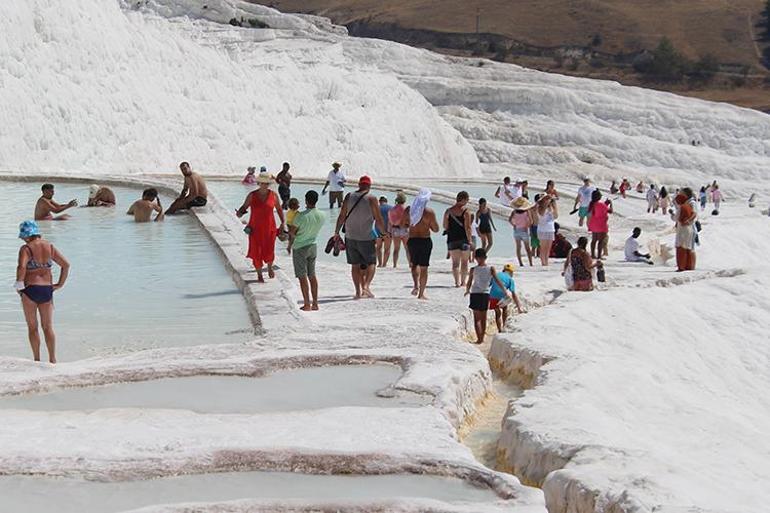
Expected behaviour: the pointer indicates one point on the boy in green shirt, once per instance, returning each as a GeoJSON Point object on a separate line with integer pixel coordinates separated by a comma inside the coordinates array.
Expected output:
{"type": "Point", "coordinates": [303, 247]}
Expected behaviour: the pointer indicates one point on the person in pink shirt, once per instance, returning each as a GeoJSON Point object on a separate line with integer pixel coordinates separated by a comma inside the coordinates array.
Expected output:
{"type": "Point", "coordinates": [521, 220]}
{"type": "Point", "coordinates": [598, 224]}
{"type": "Point", "coordinates": [251, 176]}
{"type": "Point", "coordinates": [716, 196]}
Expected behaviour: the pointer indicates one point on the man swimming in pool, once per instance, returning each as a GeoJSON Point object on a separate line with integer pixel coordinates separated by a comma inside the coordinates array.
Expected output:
{"type": "Point", "coordinates": [142, 209]}
{"type": "Point", "coordinates": [46, 207]}
{"type": "Point", "coordinates": [194, 193]}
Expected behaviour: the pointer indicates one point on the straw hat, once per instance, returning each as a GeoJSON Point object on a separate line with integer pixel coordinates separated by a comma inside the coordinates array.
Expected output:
{"type": "Point", "coordinates": [521, 203]}
{"type": "Point", "coordinates": [264, 177]}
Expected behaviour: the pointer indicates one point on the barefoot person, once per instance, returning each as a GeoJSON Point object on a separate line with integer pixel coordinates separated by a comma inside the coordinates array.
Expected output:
{"type": "Point", "coordinates": [547, 212]}
{"type": "Point", "coordinates": [384, 240]}
{"type": "Point", "coordinates": [34, 283]}
{"type": "Point", "coordinates": [457, 227]}
{"type": "Point", "coordinates": [599, 224]}
{"type": "Point", "coordinates": [583, 199]}
{"type": "Point", "coordinates": [100, 196]}
{"type": "Point", "coordinates": [262, 203]}
{"type": "Point", "coordinates": [194, 193]}
{"type": "Point", "coordinates": [142, 209]}
{"type": "Point", "coordinates": [498, 300]}
{"type": "Point", "coordinates": [422, 221]}
{"type": "Point", "coordinates": [685, 218]}
{"type": "Point", "coordinates": [283, 179]}
{"type": "Point", "coordinates": [484, 225]}
{"type": "Point", "coordinates": [398, 224]}
{"type": "Point", "coordinates": [479, 283]}
{"type": "Point", "coordinates": [521, 220]}
{"type": "Point", "coordinates": [335, 182]}
{"type": "Point", "coordinates": [359, 214]}
{"type": "Point", "coordinates": [304, 231]}
{"type": "Point", "coordinates": [46, 207]}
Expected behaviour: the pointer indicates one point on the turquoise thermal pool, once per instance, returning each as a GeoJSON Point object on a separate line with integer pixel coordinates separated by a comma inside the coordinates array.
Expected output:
{"type": "Point", "coordinates": [132, 286]}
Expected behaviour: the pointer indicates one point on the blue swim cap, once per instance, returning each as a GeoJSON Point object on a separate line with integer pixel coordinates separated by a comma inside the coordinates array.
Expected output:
{"type": "Point", "coordinates": [28, 229]}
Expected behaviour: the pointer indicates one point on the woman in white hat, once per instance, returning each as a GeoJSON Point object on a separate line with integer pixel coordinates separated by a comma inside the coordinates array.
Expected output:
{"type": "Point", "coordinates": [263, 204]}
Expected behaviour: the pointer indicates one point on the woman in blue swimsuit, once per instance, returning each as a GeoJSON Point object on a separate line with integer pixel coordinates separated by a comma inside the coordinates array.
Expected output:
{"type": "Point", "coordinates": [34, 283]}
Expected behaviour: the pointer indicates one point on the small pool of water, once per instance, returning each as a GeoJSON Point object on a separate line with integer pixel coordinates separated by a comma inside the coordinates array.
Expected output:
{"type": "Point", "coordinates": [289, 390]}
{"type": "Point", "coordinates": [46, 494]}
{"type": "Point", "coordinates": [132, 286]}
{"type": "Point", "coordinates": [233, 193]}
{"type": "Point", "coordinates": [483, 433]}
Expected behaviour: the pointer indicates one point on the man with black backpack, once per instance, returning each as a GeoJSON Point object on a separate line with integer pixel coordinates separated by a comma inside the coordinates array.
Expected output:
{"type": "Point", "coordinates": [359, 216]}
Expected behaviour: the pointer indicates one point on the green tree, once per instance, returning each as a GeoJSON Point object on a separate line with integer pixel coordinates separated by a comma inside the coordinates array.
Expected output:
{"type": "Point", "coordinates": [667, 64]}
{"type": "Point", "coordinates": [705, 68]}
{"type": "Point", "coordinates": [767, 19]}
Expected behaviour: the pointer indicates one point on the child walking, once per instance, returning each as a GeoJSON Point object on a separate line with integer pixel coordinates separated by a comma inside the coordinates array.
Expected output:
{"type": "Point", "coordinates": [479, 283]}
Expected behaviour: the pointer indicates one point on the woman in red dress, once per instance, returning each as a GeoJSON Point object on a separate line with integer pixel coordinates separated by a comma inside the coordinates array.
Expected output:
{"type": "Point", "coordinates": [261, 227]}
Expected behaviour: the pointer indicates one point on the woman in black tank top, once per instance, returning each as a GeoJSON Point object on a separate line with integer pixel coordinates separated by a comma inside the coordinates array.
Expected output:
{"type": "Point", "coordinates": [485, 225]}
{"type": "Point", "coordinates": [457, 227]}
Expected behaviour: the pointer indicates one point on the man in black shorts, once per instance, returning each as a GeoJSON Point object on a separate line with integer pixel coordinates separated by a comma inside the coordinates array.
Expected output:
{"type": "Point", "coordinates": [283, 179]}
{"type": "Point", "coordinates": [422, 221]}
{"type": "Point", "coordinates": [194, 192]}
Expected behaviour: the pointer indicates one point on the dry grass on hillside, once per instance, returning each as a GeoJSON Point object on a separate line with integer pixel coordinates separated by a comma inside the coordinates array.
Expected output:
{"type": "Point", "coordinates": [697, 27]}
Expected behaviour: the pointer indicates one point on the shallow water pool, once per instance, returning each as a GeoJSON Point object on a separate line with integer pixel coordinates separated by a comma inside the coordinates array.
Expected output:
{"type": "Point", "coordinates": [46, 494]}
{"type": "Point", "coordinates": [132, 286]}
{"type": "Point", "coordinates": [288, 390]}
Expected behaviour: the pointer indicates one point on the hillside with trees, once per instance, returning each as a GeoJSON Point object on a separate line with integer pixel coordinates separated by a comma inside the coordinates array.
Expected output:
{"type": "Point", "coordinates": [712, 49]}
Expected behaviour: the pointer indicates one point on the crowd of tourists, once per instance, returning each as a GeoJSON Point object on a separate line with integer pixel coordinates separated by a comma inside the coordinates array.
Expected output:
{"type": "Point", "coordinates": [373, 233]}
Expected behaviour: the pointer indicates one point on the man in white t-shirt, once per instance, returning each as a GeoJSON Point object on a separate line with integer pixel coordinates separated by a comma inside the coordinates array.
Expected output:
{"type": "Point", "coordinates": [335, 182]}
{"type": "Point", "coordinates": [632, 249]}
{"type": "Point", "coordinates": [583, 199]}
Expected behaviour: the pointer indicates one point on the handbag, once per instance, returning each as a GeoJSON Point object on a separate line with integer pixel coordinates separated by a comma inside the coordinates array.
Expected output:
{"type": "Point", "coordinates": [569, 279]}
{"type": "Point", "coordinates": [600, 276]}
{"type": "Point", "coordinates": [335, 242]}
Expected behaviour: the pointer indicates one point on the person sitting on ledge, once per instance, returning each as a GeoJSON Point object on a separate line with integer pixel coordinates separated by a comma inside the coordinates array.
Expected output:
{"type": "Point", "coordinates": [194, 193]}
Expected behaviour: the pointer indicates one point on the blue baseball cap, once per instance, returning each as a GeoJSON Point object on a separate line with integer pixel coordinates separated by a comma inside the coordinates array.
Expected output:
{"type": "Point", "coordinates": [28, 229]}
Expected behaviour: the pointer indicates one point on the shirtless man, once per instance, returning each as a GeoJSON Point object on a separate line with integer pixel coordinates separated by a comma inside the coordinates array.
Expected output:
{"type": "Point", "coordinates": [422, 221]}
{"type": "Point", "coordinates": [99, 196]}
{"type": "Point", "coordinates": [194, 193]}
{"type": "Point", "coordinates": [46, 207]}
{"type": "Point", "coordinates": [142, 209]}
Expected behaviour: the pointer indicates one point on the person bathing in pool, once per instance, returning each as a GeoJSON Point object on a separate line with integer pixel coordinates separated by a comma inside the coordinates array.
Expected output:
{"type": "Point", "coordinates": [194, 192]}
{"type": "Point", "coordinates": [142, 209]}
{"type": "Point", "coordinates": [46, 207]}
{"type": "Point", "coordinates": [34, 283]}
